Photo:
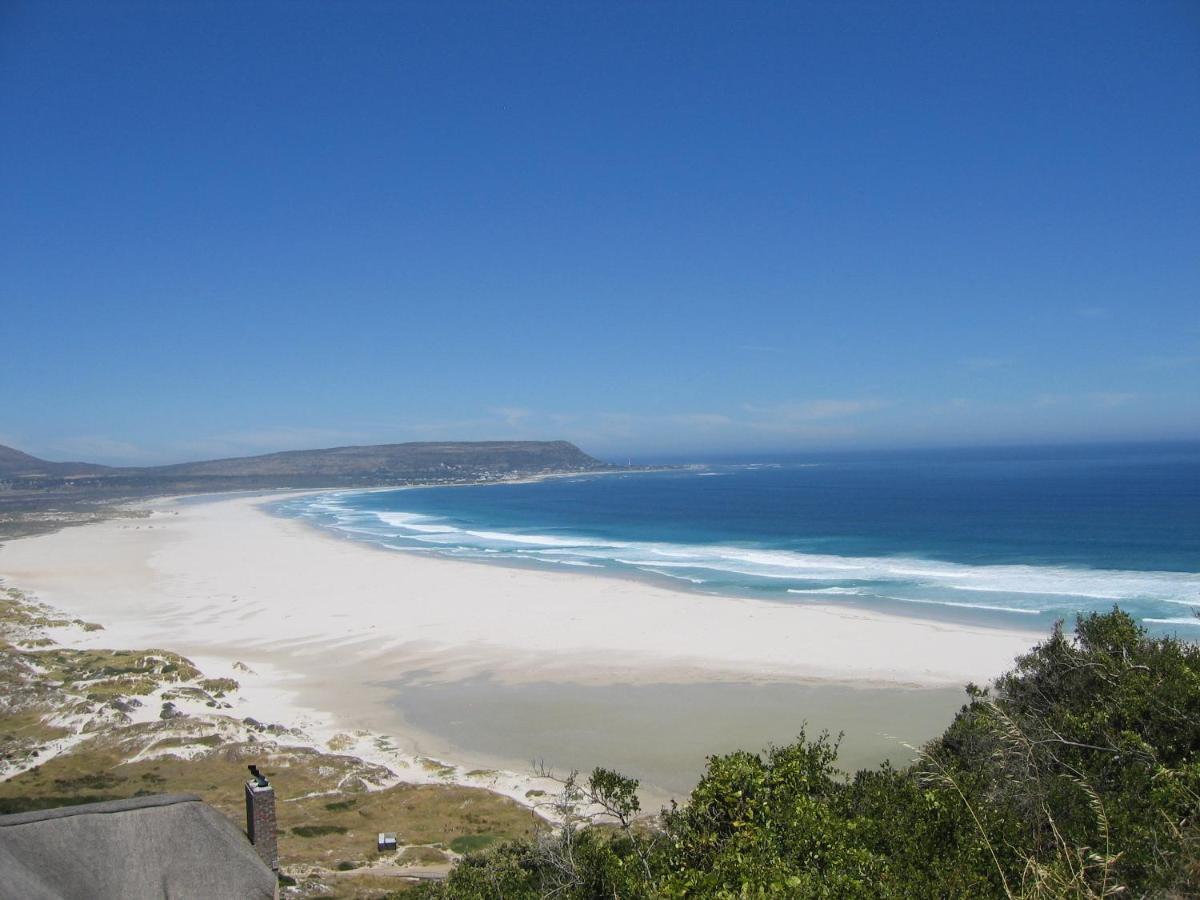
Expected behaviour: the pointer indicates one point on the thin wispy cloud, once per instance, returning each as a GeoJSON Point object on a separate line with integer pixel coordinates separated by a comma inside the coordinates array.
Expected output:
{"type": "Point", "coordinates": [100, 448]}
{"type": "Point", "coordinates": [456, 429]}
{"type": "Point", "coordinates": [761, 348]}
{"type": "Point", "coordinates": [810, 431]}
{"type": "Point", "coordinates": [1113, 399]}
{"type": "Point", "coordinates": [954, 404]}
{"type": "Point", "coordinates": [814, 410]}
{"type": "Point", "coordinates": [1043, 401]}
{"type": "Point", "coordinates": [1182, 361]}
{"type": "Point", "coordinates": [512, 415]}
{"type": "Point", "coordinates": [986, 363]}
{"type": "Point", "coordinates": [1091, 399]}
{"type": "Point", "coordinates": [702, 420]}
{"type": "Point", "coordinates": [266, 440]}
{"type": "Point", "coordinates": [823, 419]}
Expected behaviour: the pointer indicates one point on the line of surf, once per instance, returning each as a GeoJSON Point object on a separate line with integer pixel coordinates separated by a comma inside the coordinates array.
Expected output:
{"type": "Point", "coordinates": [1027, 588]}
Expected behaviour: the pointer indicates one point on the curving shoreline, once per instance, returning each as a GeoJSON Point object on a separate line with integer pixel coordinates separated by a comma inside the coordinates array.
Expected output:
{"type": "Point", "coordinates": [330, 624]}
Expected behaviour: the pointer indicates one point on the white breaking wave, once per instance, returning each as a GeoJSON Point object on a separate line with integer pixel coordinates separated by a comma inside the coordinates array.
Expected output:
{"type": "Point", "coordinates": [672, 575]}
{"type": "Point", "coordinates": [935, 582]}
{"type": "Point", "coordinates": [855, 592]}
{"type": "Point", "coordinates": [430, 529]}
{"type": "Point", "coordinates": [1192, 621]}
{"type": "Point", "coordinates": [541, 540]}
{"type": "Point", "coordinates": [401, 519]}
{"type": "Point", "coordinates": [864, 593]}
{"type": "Point", "coordinates": [1011, 609]}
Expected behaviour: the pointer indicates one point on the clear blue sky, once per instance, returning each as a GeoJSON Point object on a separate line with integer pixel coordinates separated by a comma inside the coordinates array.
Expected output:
{"type": "Point", "coordinates": [649, 227]}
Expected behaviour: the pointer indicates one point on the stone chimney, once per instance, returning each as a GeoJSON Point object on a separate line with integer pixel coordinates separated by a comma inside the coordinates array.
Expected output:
{"type": "Point", "coordinates": [260, 818]}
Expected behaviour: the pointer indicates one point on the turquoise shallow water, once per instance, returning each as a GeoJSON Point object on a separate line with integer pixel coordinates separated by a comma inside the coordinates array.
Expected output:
{"type": "Point", "coordinates": [1014, 536]}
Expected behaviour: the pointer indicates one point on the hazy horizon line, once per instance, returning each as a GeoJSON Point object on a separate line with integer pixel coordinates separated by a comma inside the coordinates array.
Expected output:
{"type": "Point", "coordinates": [696, 455]}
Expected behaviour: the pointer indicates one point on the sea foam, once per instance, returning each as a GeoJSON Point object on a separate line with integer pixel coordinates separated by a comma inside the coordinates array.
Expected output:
{"type": "Point", "coordinates": [1025, 589]}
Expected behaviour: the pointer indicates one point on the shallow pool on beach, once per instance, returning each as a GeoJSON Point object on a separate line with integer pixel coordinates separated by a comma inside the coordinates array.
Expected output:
{"type": "Point", "coordinates": [661, 733]}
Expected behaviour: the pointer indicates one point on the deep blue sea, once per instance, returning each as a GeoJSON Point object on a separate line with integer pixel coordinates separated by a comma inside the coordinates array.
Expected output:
{"type": "Point", "coordinates": [1013, 536]}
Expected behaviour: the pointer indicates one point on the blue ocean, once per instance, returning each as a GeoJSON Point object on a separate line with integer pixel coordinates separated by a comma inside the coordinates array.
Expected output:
{"type": "Point", "coordinates": [1014, 536]}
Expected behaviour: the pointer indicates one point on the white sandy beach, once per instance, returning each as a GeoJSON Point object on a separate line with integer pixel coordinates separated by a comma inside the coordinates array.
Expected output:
{"type": "Point", "coordinates": [327, 621]}
{"type": "Point", "coordinates": [225, 576]}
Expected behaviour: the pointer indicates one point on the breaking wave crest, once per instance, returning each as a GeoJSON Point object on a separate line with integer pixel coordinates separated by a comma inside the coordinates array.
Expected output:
{"type": "Point", "coordinates": [787, 574]}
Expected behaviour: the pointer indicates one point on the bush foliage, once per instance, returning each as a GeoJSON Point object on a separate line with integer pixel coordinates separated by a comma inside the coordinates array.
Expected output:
{"type": "Point", "coordinates": [1076, 775]}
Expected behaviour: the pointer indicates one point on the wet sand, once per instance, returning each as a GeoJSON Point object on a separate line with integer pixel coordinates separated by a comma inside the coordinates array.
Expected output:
{"type": "Point", "coordinates": [662, 733]}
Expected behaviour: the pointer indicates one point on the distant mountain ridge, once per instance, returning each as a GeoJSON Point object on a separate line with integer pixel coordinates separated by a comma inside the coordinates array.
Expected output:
{"type": "Point", "coordinates": [37, 495]}
{"type": "Point", "coordinates": [15, 462]}
{"type": "Point", "coordinates": [503, 456]}
{"type": "Point", "coordinates": [381, 463]}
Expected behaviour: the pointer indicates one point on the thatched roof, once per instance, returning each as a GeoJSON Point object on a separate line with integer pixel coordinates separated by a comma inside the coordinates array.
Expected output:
{"type": "Point", "coordinates": [171, 845]}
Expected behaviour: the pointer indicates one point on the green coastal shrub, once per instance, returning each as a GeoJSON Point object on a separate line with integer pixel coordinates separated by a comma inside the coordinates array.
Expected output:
{"type": "Point", "coordinates": [309, 831]}
{"type": "Point", "coordinates": [468, 843]}
{"type": "Point", "coordinates": [1076, 775]}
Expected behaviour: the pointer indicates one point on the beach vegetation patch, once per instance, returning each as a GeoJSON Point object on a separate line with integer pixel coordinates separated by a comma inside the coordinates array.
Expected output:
{"type": "Point", "coordinates": [469, 843]}
{"type": "Point", "coordinates": [92, 781]}
{"type": "Point", "coordinates": [341, 800]}
{"type": "Point", "coordinates": [414, 856]}
{"type": "Point", "coordinates": [311, 831]}
{"type": "Point", "coordinates": [219, 687]}
{"type": "Point", "coordinates": [438, 768]}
